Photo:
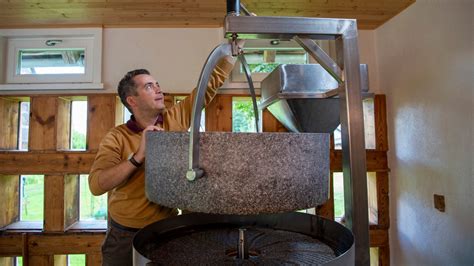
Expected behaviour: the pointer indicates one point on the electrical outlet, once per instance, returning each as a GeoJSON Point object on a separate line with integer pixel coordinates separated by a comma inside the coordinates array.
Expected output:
{"type": "Point", "coordinates": [439, 202]}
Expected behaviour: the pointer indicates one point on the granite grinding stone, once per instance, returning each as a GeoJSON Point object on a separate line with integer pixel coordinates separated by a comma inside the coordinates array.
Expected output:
{"type": "Point", "coordinates": [245, 173]}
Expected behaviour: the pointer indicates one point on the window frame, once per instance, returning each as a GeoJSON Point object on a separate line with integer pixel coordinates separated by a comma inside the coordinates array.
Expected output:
{"type": "Point", "coordinates": [89, 39]}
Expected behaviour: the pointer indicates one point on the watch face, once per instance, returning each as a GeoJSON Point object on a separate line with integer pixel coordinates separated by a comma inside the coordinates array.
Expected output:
{"type": "Point", "coordinates": [130, 156]}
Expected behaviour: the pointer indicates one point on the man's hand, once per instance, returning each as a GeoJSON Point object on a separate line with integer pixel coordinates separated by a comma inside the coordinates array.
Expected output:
{"type": "Point", "coordinates": [140, 154]}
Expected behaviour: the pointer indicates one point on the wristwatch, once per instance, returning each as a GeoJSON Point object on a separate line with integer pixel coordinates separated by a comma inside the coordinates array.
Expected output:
{"type": "Point", "coordinates": [132, 160]}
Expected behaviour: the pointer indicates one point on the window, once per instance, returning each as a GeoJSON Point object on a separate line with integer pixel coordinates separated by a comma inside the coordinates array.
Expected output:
{"type": "Point", "coordinates": [78, 125]}
{"type": "Point", "coordinates": [53, 59]}
{"type": "Point", "coordinates": [91, 207]}
{"type": "Point", "coordinates": [369, 126]}
{"type": "Point", "coordinates": [338, 183]}
{"type": "Point", "coordinates": [23, 126]}
{"type": "Point", "coordinates": [263, 56]}
{"type": "Point", "coordinates": [31, 198]}
{"type": "Point", "coordinates": [202, 126]}
{"type": "Point", "coordinates": [76, 260]}
{"type": "Point", "coordinates": [243, 118]}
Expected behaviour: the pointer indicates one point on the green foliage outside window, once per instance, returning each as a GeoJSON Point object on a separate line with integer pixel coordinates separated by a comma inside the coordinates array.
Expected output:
{"type": "Point", "coordinates": [243, 118]}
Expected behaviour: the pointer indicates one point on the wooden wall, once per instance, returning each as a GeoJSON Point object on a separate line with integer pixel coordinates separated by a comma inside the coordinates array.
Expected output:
{"type": "Point", "coordinates": [48, 155]}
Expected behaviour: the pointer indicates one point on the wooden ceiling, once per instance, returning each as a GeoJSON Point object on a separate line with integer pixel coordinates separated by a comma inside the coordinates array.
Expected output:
{"type": "Point", "coordinates": [184, 13]}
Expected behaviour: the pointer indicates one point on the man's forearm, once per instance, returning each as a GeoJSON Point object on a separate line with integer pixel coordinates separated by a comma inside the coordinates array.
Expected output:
{"type": "Point", "coordinates": [115, 175]}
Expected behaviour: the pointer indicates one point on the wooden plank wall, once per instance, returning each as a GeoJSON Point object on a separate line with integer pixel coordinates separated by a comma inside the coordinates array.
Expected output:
{"type": "Point", "coordinates": [48, 155]}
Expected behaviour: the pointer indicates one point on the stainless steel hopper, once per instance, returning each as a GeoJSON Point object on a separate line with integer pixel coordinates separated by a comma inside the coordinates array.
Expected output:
{"type": "Point", "coordinates": [304, 98]}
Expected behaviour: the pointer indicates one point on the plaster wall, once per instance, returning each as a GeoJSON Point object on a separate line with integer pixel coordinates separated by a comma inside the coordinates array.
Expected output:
{"type": "Point", "coordinates": [425, 60]}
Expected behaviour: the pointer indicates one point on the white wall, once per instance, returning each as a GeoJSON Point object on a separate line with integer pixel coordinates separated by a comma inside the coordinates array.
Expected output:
{"type": "Point", "coordinates": [174, 57]}
{"type": "Point", "coordinates": [425, 59]}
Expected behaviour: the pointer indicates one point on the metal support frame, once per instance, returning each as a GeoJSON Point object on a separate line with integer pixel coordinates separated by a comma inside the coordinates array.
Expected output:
{"type": "Point", "coordinates": [344, 31]}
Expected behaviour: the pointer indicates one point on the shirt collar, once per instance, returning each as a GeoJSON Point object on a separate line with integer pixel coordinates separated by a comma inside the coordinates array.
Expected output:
{"type": "Point", "coordinates": [134, 127]}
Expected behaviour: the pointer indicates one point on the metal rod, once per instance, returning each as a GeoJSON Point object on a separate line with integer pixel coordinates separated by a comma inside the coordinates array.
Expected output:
{"type": "Point", "coordinates": [233, 7]}
{"type": "Point", "coordinates": [323, 59]}
{"type": "Point", "coordinates": [243, 250]}
{"type": "Point", "coordinates": [219, 52]}
{"type": "Point", "coordinates": [251, 88]}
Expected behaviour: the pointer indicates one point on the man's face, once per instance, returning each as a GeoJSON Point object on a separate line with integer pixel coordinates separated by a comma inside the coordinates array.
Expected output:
{"type": "Point", "coordinates": [149, 94]}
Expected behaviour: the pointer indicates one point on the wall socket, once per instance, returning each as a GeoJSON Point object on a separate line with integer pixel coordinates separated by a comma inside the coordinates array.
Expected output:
{"type": "Point", "coordinates": [439, 202]}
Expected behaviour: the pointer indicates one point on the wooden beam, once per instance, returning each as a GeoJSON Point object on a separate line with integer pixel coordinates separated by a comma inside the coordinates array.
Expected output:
{"type": "Point", "coordinates": [380, 117]}
{"type": "Point", "coordinates": [383, 204]}
{"type": "Point", "coordinates": [50, 244]}
{"type": "Point", "coordinates": [45, 162]}
{"type": "Point", "coordinates": [376, 161]}
{"type": "Point", "coordinates": [54, 203]}
{"type": "Point", "coordinates": [42, 136]}
{"type": "Point", "coordinates": [100, 118]}
{"type": "Point", "coordinates": [378, 237]}
{"type": "Point", "coordinates": [11, 245]}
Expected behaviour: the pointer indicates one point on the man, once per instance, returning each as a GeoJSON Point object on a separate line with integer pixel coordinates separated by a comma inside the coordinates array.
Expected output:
{"type": "Point", "coordinates": [118, 167]}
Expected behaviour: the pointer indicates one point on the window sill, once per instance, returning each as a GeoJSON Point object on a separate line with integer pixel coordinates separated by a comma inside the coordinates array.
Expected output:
{"type": "Point", "coordinates": [89, 226]}
{"type": "Point", "coordinates": [51, 86]}
{"type": "Point", "coordinates": [25, 226]}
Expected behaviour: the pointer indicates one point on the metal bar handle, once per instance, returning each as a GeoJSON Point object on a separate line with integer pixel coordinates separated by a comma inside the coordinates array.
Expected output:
{"type": "Point", "coordinates": [219, 52]}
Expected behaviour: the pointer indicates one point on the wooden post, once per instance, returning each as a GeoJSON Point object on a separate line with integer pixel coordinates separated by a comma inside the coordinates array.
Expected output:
{"type": "Point", "coordinates": [54, 203]}
{"type": "Point", "coordinates": [42, 136]}
{"type": "Point", "coordinates": [100, 118]}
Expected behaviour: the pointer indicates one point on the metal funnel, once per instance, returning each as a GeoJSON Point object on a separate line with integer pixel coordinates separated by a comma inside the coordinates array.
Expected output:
{"type": "Point", "coordinates": [304, 97]}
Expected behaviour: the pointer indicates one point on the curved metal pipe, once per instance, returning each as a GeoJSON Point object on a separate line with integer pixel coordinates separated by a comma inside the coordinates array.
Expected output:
{"type": "Point", "coordinates": [251, 88]}
{"type": "Point", "coordinates": [219, 52]}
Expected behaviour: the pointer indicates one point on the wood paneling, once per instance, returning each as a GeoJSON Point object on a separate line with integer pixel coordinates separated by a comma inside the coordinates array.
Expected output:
{"type": "Point", "coordinates": [100, 117]}
{"type": "Point", "coordinates": [271, 124]}
{"type": "Point", "coordinates": [45, 162]}
{"type": "Point", "coordinates": [42, 136]}
{"type": "Point", "coordinates": [219, 114]}
{"type": "Point", "coordinates": [9, 112]}
{"type": "Point", "coordinates": [182, 13]}
{"type": "Point", "coordinates": [9, 199]}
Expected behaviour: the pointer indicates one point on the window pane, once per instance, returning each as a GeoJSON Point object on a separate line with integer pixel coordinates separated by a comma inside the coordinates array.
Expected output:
{"type": "Point", "coordinates": [78, 125]}
{"type": "Point", "coordinates": [76, 260]}
{"type": "Point", "coordinates": [91, 207]}
{"type": "Point", "coordinates": [24, 125]}
{"type": "Point", "coordinates": [338, 182]}
{"type": "Point", "coordinates": [243, 118]}
{"type": "Point", "coordinates": [31, 197]}
{"type": "Point", "coordinates": [369, 126]}
{"type": "Point", "coordinates": [126, 114]}
{"type": "Point", "coordinates": [51, 61]}
{"type": "Point", "coordinates": [19, 261]}
{"type": "Point", "coordinates": [265, 61]}
{"type": "Point", "coordinates": [374, 256]}
{"type": "Point", "coordinates": [202, 126]}
{"type": "Point", "coordinates": [369, 123]}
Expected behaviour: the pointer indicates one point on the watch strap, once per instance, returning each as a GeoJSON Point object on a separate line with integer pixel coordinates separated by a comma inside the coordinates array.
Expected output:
{"type": "Point", "coordinates": [134, 162]}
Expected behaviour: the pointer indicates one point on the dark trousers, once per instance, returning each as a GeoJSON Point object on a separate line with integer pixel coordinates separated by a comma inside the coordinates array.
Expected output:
{"type": "Point", "coordinates": [117, 248]}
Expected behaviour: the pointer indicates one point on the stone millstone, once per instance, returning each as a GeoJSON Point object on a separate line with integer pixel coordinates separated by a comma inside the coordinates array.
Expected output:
{"type": "Point", "coordinates": [245, 173]}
